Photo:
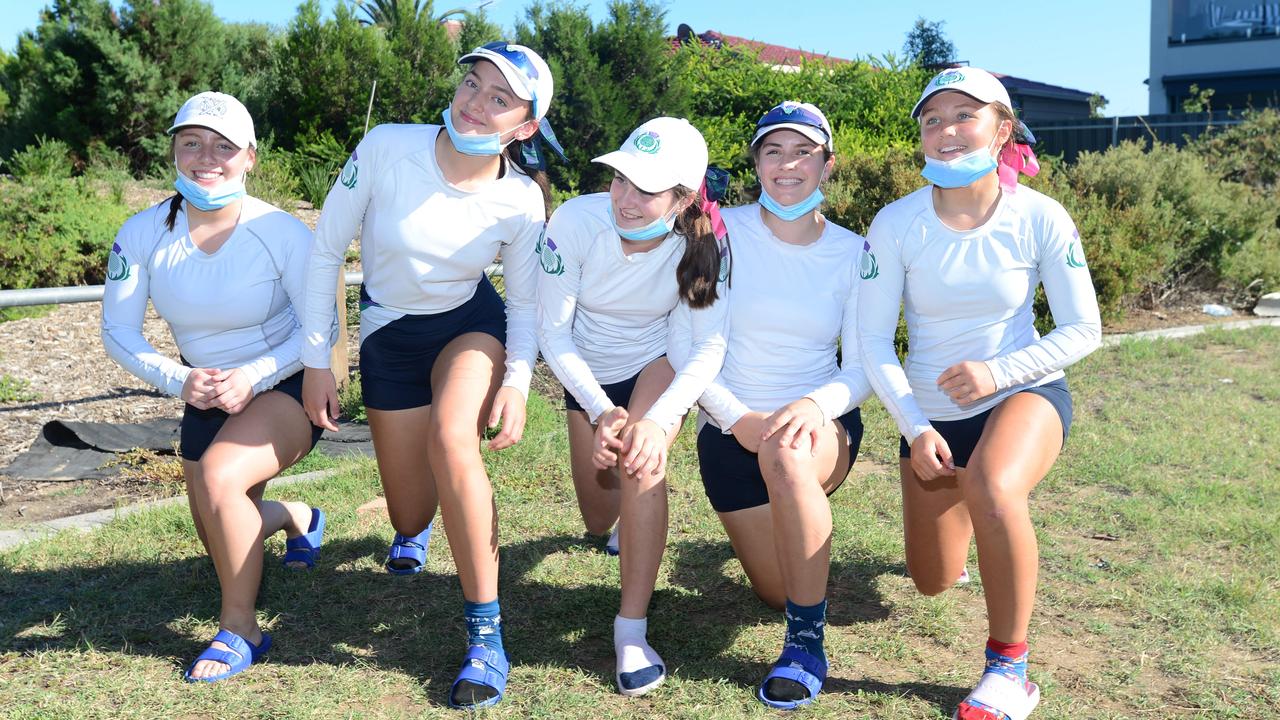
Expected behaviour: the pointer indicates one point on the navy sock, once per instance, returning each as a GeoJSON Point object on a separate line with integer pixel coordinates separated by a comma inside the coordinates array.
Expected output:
{"type": "Point", "coordinates": [806, 627]}
{"type": "Point", "coordinates": [484, 624]}
{"type": "Point", "coordinates": [805, 630]}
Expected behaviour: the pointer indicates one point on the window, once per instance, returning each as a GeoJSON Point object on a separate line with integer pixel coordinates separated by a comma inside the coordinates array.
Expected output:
{"type": "Point", "coordinates": [1206, 20]}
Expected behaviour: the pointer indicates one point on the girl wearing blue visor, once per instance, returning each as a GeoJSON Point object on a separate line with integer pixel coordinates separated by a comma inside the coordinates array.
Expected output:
{"type": "Point", "coordinates": [615, 267]}
{"type": "Point", "coordinates": [981, 401]}
{"type": "Point", "coordinates": [781, 425]}
{"type": "Point", "coordinates": [226, 272]}
{"type": "Point", "coordinates": [441, 355]}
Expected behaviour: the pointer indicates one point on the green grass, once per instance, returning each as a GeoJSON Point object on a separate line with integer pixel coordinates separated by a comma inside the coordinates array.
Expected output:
{"type": "Point", "coordinates": [14, 389]}
{"type": "Point", "coordinates": [1177, 616]}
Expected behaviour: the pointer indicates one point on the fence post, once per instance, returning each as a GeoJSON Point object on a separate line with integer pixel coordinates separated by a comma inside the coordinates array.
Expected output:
{"type": "Point", "coordinates": [338, 355]}
{"type": "Point", "coordinates": [1115, 131]}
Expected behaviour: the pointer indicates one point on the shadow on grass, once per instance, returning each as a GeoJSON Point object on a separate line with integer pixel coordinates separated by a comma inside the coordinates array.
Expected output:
{"type": "Point", "coordinates": [345, 613]}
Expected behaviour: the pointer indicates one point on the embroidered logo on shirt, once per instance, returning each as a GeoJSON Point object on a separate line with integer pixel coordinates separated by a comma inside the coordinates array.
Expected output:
{"type": "Point", "coordinates": [551, 262]}
{"type": "Point", "coordinates": [868, 268]}
{"type": "Point", "coordinates": [1074, 260]}
{"type": "Point", "coordinates": [724, 265]}
{"type": "Point", "coordinates": [349, 173]}
{"type": "Point", "coordinates": [117, 264]}
{"type": "Point", "coordinates": [647, 142]}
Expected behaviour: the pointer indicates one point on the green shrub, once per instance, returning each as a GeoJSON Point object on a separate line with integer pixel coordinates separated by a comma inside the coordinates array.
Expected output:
{"type": "Point", "coordinates": [272, 180]}
{"type": "Point", "coordinates": [351, 400]}
{"type": "Point", "coordinates": [864, 182]}
{"type": "Point", "coordinates": [56, 232]}
{"type": "Point", "coordinates": [48, 158]}
{"type": "Point", "coordinates": [1248, 153]}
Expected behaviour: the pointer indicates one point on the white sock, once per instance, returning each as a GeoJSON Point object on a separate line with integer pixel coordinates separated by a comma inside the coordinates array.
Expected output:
{"type": "Point", "coordinates": [631, 646]}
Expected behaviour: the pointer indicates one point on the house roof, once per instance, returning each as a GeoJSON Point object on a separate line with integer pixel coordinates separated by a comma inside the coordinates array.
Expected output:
{"type": "Point", "coordinates": [767, 52]}
{"type": "Point", "coordinates": [1031, 87]}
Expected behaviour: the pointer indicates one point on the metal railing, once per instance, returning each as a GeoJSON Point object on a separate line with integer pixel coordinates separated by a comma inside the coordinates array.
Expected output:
{"type": "Point", "coordinates": [93, 293]}
{"type": "Point", "coordinates": [1069, 138]}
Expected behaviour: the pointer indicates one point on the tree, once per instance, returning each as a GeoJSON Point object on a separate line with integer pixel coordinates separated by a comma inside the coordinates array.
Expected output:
{"type": "Point", "coordinates": [927, 46]}
{"type": "Point", "coordinates": [1097, 103]}
{"type": "Point", "coordinates": [609, 78]}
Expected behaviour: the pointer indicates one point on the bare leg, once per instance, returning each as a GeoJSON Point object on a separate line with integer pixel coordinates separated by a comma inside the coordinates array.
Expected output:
{"type": "Point", "coordinates": [465, 377]}
{"type": "Point", "coordinates": [597, 490]}
{"type": "Point", "coordinates": [270, 434]}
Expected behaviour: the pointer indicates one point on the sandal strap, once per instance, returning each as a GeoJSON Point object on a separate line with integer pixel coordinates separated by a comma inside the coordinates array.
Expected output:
{"type": "Point", "coordinates": [484, 666]}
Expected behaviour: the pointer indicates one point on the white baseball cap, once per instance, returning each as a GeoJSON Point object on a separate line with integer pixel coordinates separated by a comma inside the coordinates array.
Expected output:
{"type": "Point", "coordinates": [524, 70]}
{"type": "Point", "coordinates": [220, 113]}
{"type": "Point", "coordinates": [804, 118]}
{"type": "Point", "coordinates": [661, 154]}
{"type": "Point", "coordinates": [974, 82]}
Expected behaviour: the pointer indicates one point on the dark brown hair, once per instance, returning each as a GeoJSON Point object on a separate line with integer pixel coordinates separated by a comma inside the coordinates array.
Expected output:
{"type": "Point", "coordinates": [513, 155]}
{"type": "Point", "coordinates": [699, 267]}
{"type": "Point", "coordinates": [752, 191]}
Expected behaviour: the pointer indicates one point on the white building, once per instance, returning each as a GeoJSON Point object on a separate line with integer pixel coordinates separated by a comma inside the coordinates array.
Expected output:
{"type": "Point", "coordinates": [1231, 46]}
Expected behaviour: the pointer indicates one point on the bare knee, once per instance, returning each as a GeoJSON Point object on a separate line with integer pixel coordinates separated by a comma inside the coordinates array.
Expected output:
{"type": "Point", "coordinates": [996, 497]}
{"type": "Point", "coordinates": [455, 445]}
{"type": "Point", "coordinates": [786, 471]}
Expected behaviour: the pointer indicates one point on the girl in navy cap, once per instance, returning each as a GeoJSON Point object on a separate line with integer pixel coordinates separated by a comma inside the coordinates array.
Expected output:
{"type": "Point", "coordinates": [441, 355]}
{"type": "Point", "coordinates": [981, 401]}
{"type": "Point", "coordinates": [226, 271]}
{"type": "Point", "coordinates": [782, 426]}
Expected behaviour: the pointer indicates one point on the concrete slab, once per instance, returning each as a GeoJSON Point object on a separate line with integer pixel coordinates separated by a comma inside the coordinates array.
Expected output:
{"type": "Point", "coordinates": [1268, 305]}
{"type": "Point", "coordinates": [89, 521]}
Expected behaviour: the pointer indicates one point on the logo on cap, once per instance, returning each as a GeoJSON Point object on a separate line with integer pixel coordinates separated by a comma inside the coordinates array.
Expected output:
{"type": "Point", "coordinates": [949, 78]}
{"type": "Point", "coordinates": [790, 106]}
{"type": "Point", "coordinates": [213, 107]}
{"type": "Point", "coordinates": [647, 142]}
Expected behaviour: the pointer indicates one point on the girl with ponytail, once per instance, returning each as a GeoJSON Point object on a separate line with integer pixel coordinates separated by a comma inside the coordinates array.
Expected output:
{"type": "Point", "coordinates": [614, 267]}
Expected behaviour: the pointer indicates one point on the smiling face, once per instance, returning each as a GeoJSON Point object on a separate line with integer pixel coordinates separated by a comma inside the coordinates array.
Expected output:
{"type": "Point", "coordinates": [952, 124]}
{"type": "Point", "coordinates": [209, 158]}
{"type": "Point", "coordinates": [484, 104]}
{"type": "Point", "coordinates": [634, 208]}
{"type": "Point", "coordinates": [791, 166]}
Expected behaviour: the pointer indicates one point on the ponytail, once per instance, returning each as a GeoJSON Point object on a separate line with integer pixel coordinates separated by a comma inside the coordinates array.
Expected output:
{"type": "Point", "coordinates": [699, 268]}
{"type": "Point", "coordinates": [515, 157]}
{"type": "Point", "coordinates": [175, 205]}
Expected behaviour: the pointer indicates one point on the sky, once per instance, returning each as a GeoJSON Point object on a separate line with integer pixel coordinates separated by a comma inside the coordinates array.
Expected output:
{"type": "Point", "coordinates": [1089, 45]}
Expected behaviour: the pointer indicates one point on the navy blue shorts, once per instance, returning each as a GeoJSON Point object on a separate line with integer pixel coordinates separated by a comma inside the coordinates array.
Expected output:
{"type": "Point", "coordinates": [731, 473]}
{"type": "Point", "coordinates": [619, 393]}
{"type": "Point", "coordinates": [396, 359]}
{"type": "Point", "coordinates": [199, 427]}
{"type": "Point", "coordinates": [962, 436]}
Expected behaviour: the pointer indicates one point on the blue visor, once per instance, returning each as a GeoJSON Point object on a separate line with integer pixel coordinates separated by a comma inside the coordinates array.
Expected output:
{"type": "Point", "coordinates": [792, 113]}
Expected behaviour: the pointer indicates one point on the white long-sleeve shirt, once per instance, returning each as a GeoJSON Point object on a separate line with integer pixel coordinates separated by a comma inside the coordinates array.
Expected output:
{"type": "Point", "coordinates": [425, 243]}
{"type": "Point", "coordinates": [234, 308]}
{"type": "Point", "coordinates": [968, 296]}
{"type": "Point", "coordinates": [602, 314]}
{"type": "Point", "coordinates": [790, 308]}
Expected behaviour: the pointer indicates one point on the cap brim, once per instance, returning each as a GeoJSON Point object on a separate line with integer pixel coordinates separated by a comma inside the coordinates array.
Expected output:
{"type": "Point", "coordinates": [645, 175]}
{"type": "Point", "coordinates": [510, 73]}
{"type": "Point", "coordinates": [239, 142]}
{"type": "Point", "coordinates": [809, 131]}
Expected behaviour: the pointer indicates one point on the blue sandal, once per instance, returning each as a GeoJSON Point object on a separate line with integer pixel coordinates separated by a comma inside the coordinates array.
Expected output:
{"type": "Point", "coordinates": [306, 547]}
{"type": "Point", "coordinates": [482, 666]}
{"type": "Point", "coordinates": [241, 655]}
{"type": "Point", "coordinates": [412, 549]}
{"type": "Point", "coordinates": [797, 666]}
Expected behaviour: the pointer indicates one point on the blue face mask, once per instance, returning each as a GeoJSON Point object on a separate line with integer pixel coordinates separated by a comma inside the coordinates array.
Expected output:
{"type": "Point", "coordinates": [791, 212]}
{"type": "Point", "coordinates": [208, 199]}
{"type": "Point", "coordinates": [480, 145]}
{"type": "Point", "coordinates": [656, 229]}
{"type": "Point", "coordinates": [962, 171]}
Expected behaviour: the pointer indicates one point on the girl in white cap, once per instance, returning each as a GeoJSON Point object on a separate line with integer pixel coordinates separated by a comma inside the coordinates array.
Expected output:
{"type": "Point", "coordinates": [440, 355]}
{"type": "Point", "coordinates": [226, 272]}
{"type": "Point", "coordinates": [982, 402]}
{"type": "Point", "coordinates": [782, 425]}
{"type": "Point", "coordinates": [615, 265]}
